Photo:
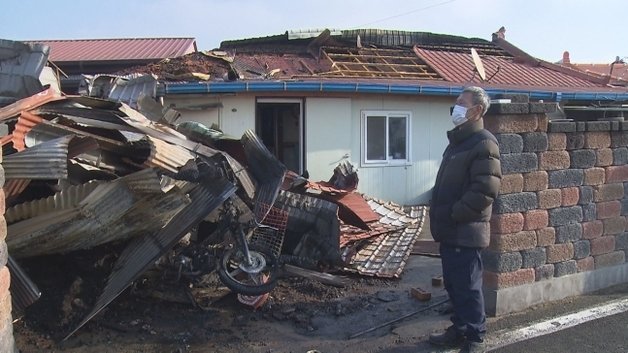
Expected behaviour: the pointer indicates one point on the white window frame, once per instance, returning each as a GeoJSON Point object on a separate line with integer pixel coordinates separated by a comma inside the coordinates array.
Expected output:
{"type": "Point", "coordinates": [388, 114]}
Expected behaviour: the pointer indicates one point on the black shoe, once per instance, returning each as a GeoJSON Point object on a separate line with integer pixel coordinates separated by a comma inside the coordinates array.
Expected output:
{"type": "Point", "coordinates": [450, 338]}
{"type": "Point", "coordinates": [473, 347]}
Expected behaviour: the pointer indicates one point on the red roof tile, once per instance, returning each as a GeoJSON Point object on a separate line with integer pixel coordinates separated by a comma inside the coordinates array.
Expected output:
{"type": "Point", "coordinates": [118, 49]}
{"type": "Point", "coordinates": [458, 68]}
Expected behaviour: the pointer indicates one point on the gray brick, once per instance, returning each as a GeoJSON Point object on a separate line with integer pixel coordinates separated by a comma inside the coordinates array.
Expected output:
{"type": "Point", "coordinates": [586, 194]}
{"type": "Point", "coordinates": [565, 268]}
{"type": "Point", "coordinates": [625, 189]}
{"type": "Point", "coordinates": [575, 141]}
{"type": "Point", "coordinates": [581, 126]}
{"type": "Point", "coordinates": [598, 125]}
{"type": "Point", "coordinates": [568, 233]}
{"type": "Point", "coordinates": [621, 241]}
{"type": "Point", "coordinates": [619, 139]}
{"type": "Point", "coordinates": [533, 257]}
{"type": "Point", "coordinates": [624, 207]}
{"type": "Point", "coordinates": [620, 156]}
{"type": "Point", "coordinates": [510, 143]}
{"type": "Point", "coordinates": [564, 215]}
{"type": "Point", "coordinates": [582, 158]}
{"type": "Point", "coordinates": [517, 202]}
{"type": "Point", "coordinates": [535, 142]}
{"type": "Point", "coordinates": [508, 108]}
{"type": "Point", "coordinates": [514, 97]}
{"type": "Point", "coordinates": [623, 125]}
{"type": "Point", "coordinates": [541, 108]}
{"type": "Point", "coordinates": [501, 262]}
{"type": "Point", "coordinates": [565, 178]}
{"type": "Point", "coordinates": [581, 249]}
{"type": "Point", "coordinates": [561, 126]}
{"type": "Point", "coordinates": [519, 163]}
{"type": "Point", "coordinates": [615, 126]}
{"type": "Point", "coordinates": [544, 272]}
{"type": "Point", "coordinates": [589, 212]}
{"type": "Point", "coordinates": [2, 179]}
{"type": "Point", "coordinates": [4, 254]}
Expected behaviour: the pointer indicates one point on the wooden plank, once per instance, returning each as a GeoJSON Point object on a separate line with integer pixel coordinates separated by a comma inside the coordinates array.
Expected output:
{"type": "Point", "coordinates": [325, 278]}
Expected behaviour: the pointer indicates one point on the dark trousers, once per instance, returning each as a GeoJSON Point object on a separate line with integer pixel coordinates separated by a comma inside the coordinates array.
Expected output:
{"type": "Point", "coordinates": [462, 273]}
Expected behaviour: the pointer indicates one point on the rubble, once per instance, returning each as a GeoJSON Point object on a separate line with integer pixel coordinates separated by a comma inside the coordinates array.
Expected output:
{"type": "Point", "coordinates": [157, 200]}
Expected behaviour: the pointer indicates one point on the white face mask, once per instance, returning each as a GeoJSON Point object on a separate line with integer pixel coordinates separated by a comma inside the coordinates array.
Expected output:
{"type": "Point", "coordinates": [459, 115]}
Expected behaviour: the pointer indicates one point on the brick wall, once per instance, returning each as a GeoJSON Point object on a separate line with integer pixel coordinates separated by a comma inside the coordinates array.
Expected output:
{"type": "Point", "coordinates": [563, 203]}
{"type": "Point", "coordinates": [6, 322]}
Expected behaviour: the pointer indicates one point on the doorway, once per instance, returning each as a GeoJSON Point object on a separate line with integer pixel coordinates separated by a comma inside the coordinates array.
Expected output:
{"type": "Point", "coordinates": [279, 123]}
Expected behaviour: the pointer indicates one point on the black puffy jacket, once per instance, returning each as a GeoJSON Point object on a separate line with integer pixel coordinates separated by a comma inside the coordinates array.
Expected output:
{"type": "Point", "coordinates": [467, 183]}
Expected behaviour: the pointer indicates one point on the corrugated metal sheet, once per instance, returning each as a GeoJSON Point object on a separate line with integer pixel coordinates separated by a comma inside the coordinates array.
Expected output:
{"type": "Point", "coordinates": [65, 199]}
{"type": "Point", "coordinates": [121, 209]}
{"type": "Point", "coordinates": [290, 65]}
{"type": "Point", "coordinates": [458, 67]}
{"type": "Point", "coordinates": [167, 156]}
{"type": "Point", "coordinates": [48, 160]}
{"type": "Point", "coordinates": [20, 67]}
{"type": "Point", "coordinates": [118, 49]}
{"type": "Point", "coordinates": [267, 170]}
{"type": "Point", "coordinates": [24, 291]}
{"type": "Point", "coordinates": [29, 103]}
{"type": "Point", "coordinates": [142, 253]}
{"type": "Point", "coordinates": [14, 187]}
{"type": "Point", "coordinates": [130, 90]}
{"type": "Point", "coordinates": [24, 124]}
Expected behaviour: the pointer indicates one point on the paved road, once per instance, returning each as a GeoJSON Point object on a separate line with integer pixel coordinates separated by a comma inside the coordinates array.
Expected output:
{"type": "Point", "coordinates": [607, 335]}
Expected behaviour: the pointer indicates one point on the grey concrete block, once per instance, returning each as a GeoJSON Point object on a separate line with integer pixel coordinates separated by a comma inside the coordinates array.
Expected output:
{"type": "Point", "coordinates": [2, 178]}
{"type": "Point", "coordinates": [598, 125]}
{"type": "Point", "coordinates": [519, 163]}
{"type": "Point", "coordinates": [561, 126]}
{"type": "Point", "coordinates": [535, 142]}
{"type": "Point", "coordinates": [517, 202]}
{"type": "Point", "coordinates": [625, 189]}
{"type": "Point", "coordinates": [586, 194]}
{"type": "Point", "coordinates": [582, 158]}
{"type": "Point", "coordinates": [623, 125]}
{"type": "Point", "coordinates": [509, 143]}
{"type": "Point", "coordinates": [565, 268]}
{"type": "Point", "coordinates": [501, 262]}
{"type": "Point", "coordinates": [532, 258]}
{"type": "Point", "coordinates": [589, 212]}
{"type": "Point", "coordinates": [615, 126]}
{"type": "Point", "coordinates": [621, 241]}
{"type": "Point", "coordinates": [624, 207]}
{"type": "Point", "coordinates": [565, 215]}
{"type": "Point", "coordinates": [514, 97]}
{"type": "Point", "coordinates": [544, 272]}
{"type": "Point", "coordinates": [581, 126]}
{"type": "Point", "coordinates": [565, 178]}
{"type": "Point", "coordinates": [575, 141]}
{"type": "Point", "coordinates": [4, 254]}
{"type": "Point", "coordinates": [581, 249]}
{"type": "Point", "coordinates": [508, 108]}
{"type": "Point", "coordinates": [619, 139]}
{"type": "Point", "coordinates": [568, 233]}
{"type": "Point", "coordinates": [620, 156]}
{"type": "Point", "coordinates": [541, 108]}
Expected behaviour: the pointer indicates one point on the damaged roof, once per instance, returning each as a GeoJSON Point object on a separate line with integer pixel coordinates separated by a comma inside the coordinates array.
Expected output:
{"type": "Point", "coordinates": [70, 50]}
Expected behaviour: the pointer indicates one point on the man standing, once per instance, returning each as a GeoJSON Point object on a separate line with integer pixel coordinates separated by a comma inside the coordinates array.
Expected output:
{"type": "Point", "coordinates": [466, 185]}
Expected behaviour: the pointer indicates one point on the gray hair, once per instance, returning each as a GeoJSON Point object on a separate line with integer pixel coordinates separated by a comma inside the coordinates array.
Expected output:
{"type": "Point", "coordinates": [478, 96]}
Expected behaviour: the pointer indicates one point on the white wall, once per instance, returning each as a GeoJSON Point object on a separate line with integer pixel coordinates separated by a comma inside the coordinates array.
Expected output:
{"type": "Point", "coordinates": [328, 130]}
{"type": "Point", "coordinates": [333, 130]}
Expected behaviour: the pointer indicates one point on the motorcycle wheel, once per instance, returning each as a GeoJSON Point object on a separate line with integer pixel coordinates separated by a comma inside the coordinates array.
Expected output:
{"type": "Point", "coordinates": [257, 279]}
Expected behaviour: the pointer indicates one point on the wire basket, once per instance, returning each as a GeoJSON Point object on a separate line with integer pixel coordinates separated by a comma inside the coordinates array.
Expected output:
{"type": "Point", "coordinates": [271, 238]}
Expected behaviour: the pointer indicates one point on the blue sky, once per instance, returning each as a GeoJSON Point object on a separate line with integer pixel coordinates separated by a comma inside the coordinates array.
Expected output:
{"type": "Point", "coordinates": [592, 31]}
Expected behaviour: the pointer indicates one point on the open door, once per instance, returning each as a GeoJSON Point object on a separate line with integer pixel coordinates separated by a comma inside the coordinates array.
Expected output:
{"type": "Point", "coordinates": [279, 123]}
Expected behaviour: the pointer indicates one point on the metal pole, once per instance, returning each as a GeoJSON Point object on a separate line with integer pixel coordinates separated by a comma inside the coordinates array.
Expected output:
{"type": "Point", "coordinates": [398, 319]}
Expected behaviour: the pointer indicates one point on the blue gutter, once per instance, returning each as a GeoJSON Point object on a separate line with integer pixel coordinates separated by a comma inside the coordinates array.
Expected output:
{"type": "Point", "coordinates": [381, 88]}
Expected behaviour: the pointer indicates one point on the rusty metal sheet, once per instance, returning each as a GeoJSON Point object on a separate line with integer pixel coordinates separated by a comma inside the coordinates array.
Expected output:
{"type": "Point", "coordinates": [116, 210]}
{"type": "Point", "coordinates": [48, 160]}
{"type": "Point", "coordinates": [14, 187]}
{"type": "Point", "coordinates": [25, 123]}
{"type": "Point", "coordinates": [29, 103]}
{"type": "Point", "coordinates": [142, 253]}
{"type": "Point", "coordinates": [65, 199]}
